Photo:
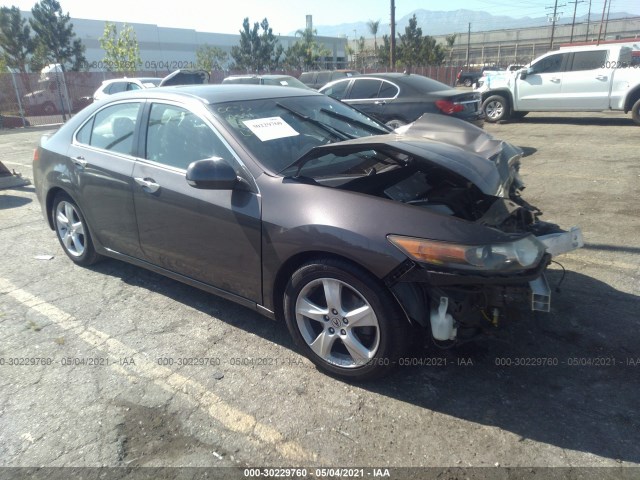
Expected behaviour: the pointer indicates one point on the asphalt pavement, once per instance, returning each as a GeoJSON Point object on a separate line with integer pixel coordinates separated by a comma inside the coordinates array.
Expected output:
{"type": "Point", "coordinates": [115, 366]}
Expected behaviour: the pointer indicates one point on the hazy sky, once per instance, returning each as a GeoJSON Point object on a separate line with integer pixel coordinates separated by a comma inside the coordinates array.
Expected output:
{"type": "Point", "coordinates": [287, 16]}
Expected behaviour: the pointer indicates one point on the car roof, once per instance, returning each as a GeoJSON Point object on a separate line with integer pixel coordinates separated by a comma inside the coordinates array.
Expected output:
{"type": "Point", "coordinates": [129, 79]}
{"type": "Point", "coordinates": [266, 75]}
{"type": "Point", "coordinates": [410, 80]}
{"type": "Point", "coordinates": [218, 93]}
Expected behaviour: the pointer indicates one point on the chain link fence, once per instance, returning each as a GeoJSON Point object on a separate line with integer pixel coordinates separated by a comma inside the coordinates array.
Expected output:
{"type": "Point", "coordinates": [38, 99]}
{"type": "Point", "coordinates": [48, 98]}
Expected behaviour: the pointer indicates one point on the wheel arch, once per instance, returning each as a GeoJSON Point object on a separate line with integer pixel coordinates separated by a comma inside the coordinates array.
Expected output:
{"type": "Point", "coordinates": [632, 97]}
{"type": "Point", "coordinates": [293, 263]}
{"type": "Point", "coordinates": [51, 195]}
{"type": "Point", "coordinates": [503, 92]}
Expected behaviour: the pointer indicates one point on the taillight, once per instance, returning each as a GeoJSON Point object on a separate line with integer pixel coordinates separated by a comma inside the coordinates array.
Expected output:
{"type": "Point", "coordinates": [448, 107]}
{"type": "Point", "coordinates": [36, 155]}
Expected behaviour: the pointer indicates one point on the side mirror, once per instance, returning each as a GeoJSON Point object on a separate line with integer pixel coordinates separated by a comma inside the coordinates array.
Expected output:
{"type": "Point", "coordinates": [526, 72]}
{"type": "Point", "coordinates": [211, 174]}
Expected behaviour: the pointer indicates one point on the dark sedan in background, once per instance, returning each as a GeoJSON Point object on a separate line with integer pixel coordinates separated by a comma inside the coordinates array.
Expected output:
{"type": "Point", "coordinates": [397, 99]}
{"type": "Point", "coordinates": [300, 207]}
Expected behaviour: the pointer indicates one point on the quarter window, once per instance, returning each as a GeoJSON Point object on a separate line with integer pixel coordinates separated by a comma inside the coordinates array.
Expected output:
{"type": "Point", "coordinates": [388, 90]}
{"type": "Point", "coordinates": [176, 137]}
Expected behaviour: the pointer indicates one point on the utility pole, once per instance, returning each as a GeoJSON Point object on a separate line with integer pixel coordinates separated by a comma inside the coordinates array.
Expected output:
{"type": "Point", "coordinates": [573, 22]}
{"type": "Point", "coordinates": [554, 18]}
{"type": "Point", "coordinates": [606, 23]}
{"type": "Point", "coordinates": [586, 35]}
{"type": "Point", "coordinates": [355, 48]}
{"type": "Point", "coordinates": [392, 54]}
{"type": "Point", "coordinates": [604, 9]}
{"type": "Point", "coordinates": [468, 44]}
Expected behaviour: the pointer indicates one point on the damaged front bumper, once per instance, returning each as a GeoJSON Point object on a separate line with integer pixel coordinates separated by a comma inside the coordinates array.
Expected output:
{"type": "Point", "coordinates": [556, 244]}
{"type": "Point", "coordinates": [458, 300]}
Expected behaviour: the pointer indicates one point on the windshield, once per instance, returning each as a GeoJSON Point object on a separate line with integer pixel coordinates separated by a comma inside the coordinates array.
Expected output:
{"type": "Point", "coordinates": [278, 131]}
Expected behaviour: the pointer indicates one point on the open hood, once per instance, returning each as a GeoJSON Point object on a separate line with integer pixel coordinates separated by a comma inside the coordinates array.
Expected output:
{"type": "Point", "coordinates": [453, 131]}
{"type": "Point", "coordinates": [489, 164]}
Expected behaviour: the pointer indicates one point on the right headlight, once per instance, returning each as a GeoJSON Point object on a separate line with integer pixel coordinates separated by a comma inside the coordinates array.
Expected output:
{"type": "Point", "coordinates": [521, 254]}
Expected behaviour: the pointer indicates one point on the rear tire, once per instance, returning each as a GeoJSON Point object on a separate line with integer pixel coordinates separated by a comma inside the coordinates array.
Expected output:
{"type": "Point", "coordinates": [635, 112]}
{"type": "Point", "coordinates": [344, 320]}
{"type": "Point", "coordinates": [72, 231]}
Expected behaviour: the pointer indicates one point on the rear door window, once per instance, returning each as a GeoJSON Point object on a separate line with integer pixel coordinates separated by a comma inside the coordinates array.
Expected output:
{"type": "Point", "coordinates": [364, 88]}
{"type": "Point", "coordinates": [590, 60]}
{"type": "Point", "coordinates": [112, 128]}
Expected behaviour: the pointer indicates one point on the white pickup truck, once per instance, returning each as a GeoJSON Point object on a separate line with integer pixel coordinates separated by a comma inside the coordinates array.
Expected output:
{"type": "Point", "coordinates": [572, 79]}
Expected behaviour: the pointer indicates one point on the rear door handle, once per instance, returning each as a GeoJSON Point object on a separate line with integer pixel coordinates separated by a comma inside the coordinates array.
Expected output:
{"type": "Point", "coordinates": [380, 102]}
{"type": "Point", "coordinates": [148, 184]}
{"type": "Point", "coordinates": [602, 77]}
{"type": "Point", "coordinates": [555, 79]}
{"type": "Point", "coordinates": [79, 161]}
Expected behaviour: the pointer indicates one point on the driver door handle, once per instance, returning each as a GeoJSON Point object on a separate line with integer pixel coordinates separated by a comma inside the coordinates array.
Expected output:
{"type": "Point", "coordinates": [380, 102]}
{"type": "Point", "coordinates": [148, 184]}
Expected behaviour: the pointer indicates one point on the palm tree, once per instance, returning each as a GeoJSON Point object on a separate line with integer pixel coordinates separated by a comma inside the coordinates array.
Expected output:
{"type": "Point", "coordinates": [373, 28]}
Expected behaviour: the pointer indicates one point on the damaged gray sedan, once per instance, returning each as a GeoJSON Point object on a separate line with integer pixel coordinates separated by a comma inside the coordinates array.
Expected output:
{"type": "Point", "coordinates": [302, 208]}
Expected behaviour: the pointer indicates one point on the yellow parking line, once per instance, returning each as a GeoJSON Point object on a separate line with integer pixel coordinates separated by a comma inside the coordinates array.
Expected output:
{"type": "Point", "coordinates": [229, 416]}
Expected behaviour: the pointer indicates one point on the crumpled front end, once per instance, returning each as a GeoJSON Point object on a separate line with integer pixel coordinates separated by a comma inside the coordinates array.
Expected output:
{"type": "Point", "coordinates": [462, 299]}
{"type": "Point", "coordinates": [474, 246]}
{"type": "Point", "coordinates": [458, 304]}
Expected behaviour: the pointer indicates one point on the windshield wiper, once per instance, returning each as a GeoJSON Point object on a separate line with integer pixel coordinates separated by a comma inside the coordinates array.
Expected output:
{"type": "Point", "coordinates": [364, 125]}
{"type": "Point", "coordinates": [326, 127]}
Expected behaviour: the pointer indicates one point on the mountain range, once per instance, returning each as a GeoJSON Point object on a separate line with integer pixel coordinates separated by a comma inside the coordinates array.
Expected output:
{"type": "Point", "coordinates": [457, 21]}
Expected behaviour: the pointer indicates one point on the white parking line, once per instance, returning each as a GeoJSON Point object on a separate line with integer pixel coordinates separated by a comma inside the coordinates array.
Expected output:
{"type": "Point", "coordinates": [227, 415]}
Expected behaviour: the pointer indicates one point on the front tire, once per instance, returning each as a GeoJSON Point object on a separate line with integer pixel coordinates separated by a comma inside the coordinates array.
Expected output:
{"type": "Point", "coordinates": [495, 108]}
{"type": "Point", "coordinates": [49, 109]}
{"type": "Point", "coordinates": [72, 231]}
{"type": "Point", "coordinates": [344, 320]}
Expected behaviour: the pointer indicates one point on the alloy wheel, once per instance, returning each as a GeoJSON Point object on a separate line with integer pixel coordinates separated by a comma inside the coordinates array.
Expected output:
{"type": "Point", "coordinates": [70, 229]}
{"type": "Point", "coordinates": [337, 323]}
